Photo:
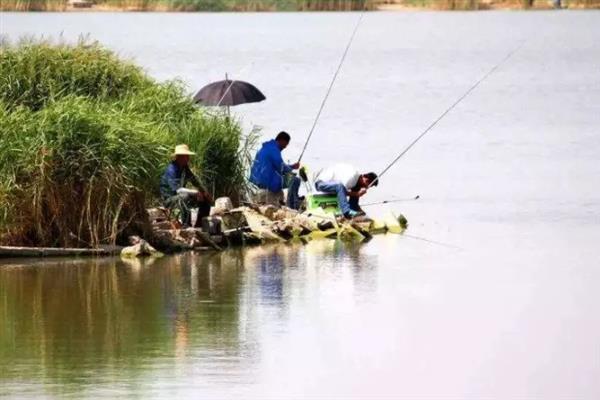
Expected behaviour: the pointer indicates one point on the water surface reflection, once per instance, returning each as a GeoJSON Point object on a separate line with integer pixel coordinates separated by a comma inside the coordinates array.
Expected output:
{"type": "Point", "coordinates": [80, 325]}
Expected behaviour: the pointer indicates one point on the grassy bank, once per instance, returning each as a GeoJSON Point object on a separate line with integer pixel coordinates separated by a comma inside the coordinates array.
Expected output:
{"type": "Point", "coordinates": [484, 4]}
{"type": "Point", "coordinates": [288, 5]}
{"type": "Point", "coordinates": [194, 5]}
{"type": "Point", "coordinates": [84, 137]}
{"type": "Point", "coordinates": [239, 5]}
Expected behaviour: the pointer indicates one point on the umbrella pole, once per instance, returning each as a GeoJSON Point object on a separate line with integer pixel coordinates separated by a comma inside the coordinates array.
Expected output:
{"type": "Point", "coordinates": [226, 79]}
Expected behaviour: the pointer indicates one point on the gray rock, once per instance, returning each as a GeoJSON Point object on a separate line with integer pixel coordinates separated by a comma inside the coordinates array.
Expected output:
{"type": "Point", "coordinates": [140, 249]}
{"type": "Point", "coordinates": [234, 219]}
{"type": "Point", "coordinates": [222, 205]}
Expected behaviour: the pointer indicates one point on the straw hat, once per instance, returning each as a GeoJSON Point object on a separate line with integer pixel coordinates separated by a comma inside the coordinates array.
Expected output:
{"type": "Point", "coordinates": [183, 150]}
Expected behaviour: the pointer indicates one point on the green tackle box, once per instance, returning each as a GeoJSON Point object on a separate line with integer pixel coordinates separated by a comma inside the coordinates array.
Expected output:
{"type": "Point", "coordinates": [324, 201]}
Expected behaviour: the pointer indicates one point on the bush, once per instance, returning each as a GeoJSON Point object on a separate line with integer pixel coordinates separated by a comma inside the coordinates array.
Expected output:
{"type": "Point", "coordinates": [84, 138]}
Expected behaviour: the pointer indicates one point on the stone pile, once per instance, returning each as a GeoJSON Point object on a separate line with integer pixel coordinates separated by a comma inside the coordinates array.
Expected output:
{"type": "Point", "coordinates": [256, 224]}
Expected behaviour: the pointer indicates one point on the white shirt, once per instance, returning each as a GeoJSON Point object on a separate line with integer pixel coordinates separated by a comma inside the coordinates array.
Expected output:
{"type": "Point", "coordinates": [346, 174]}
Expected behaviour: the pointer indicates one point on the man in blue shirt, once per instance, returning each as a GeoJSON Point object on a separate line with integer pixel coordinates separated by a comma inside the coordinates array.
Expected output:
{"type": "Point", "coordinates": [173, 192]}
{"type": "Point", "coordinates": [270, 173]}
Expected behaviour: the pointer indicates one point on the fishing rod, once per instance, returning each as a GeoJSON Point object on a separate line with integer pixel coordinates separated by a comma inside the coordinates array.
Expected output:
{"type": "Point", "coordinates": [362, 14]}
{"type": "Point", "coordinates": [232, 82]}
{"type": "Point", "coordinates": [438, 119]}
{"type": "Point", "coordinates": [226, 90]}
{"type": "Point", "coordinates": [417, 197]}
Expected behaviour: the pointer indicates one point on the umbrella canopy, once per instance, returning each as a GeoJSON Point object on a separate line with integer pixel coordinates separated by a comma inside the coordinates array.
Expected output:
{"type": "Point", "coordinates": [228, 93]}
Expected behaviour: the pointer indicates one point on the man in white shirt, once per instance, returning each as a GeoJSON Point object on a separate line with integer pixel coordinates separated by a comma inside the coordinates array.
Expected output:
{"type": "Point", "coordinates": [345, 181]}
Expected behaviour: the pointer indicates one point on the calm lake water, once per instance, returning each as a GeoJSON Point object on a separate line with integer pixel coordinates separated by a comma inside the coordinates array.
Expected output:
{"type": "Point", "coordinates": [504, 306]}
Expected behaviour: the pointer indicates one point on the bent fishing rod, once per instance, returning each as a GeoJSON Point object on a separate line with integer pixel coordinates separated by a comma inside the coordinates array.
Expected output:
{"type": "Point", "coordinates": [438, 119]}
{"type": "Point", "coordinates": [362, 14]}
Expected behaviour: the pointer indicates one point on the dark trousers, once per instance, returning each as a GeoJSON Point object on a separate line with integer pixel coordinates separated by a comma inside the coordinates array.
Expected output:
{"type": "Point", "coordinates": [353, 202]}
{"type": "Point", "coordinates": [293, 199]}
{"type": "Point", "coordinates": [184, 203]}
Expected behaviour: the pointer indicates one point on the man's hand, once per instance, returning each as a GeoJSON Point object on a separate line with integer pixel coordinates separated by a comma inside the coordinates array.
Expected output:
{"type": "Point", "coordinates": [295, 166]}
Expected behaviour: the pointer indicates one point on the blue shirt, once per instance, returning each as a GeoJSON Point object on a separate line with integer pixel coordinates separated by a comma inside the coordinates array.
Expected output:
{"type": "Point", "coordinates": [176, 177]}
{"type": "Point", "coordinates": [268, 167]}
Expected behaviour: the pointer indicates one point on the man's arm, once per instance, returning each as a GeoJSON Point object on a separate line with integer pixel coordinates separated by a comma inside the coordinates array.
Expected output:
{"type": "Point", "coordinates": [203, 195]}
{"type": "Point", "coordinates": [358, 193]}
{"type": "Point", "coordinates": [278, 164]}
{"type": "Point", "coordinates": [193, 179]}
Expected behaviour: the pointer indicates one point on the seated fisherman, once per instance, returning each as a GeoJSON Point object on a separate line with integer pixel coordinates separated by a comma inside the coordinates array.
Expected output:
{"type": "Point", "coordinates": [345, 181]}
{"type": "Point", "coordinates": [270, 173]}
{"type": "Point", "coordinates": [172, 188]}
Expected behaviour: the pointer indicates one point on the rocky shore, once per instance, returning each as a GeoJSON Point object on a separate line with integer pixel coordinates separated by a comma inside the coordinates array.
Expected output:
{"type": "Point", "coordinates": [266, 6]}
{"type": "Point", "coordinates": [257, 224]}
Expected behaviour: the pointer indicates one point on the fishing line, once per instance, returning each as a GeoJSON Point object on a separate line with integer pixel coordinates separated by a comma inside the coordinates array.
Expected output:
{"type": "Point", "coordinates": [362, 14]}
{"type": "Point", "coordinates": [432, 241]}
{"type": "Point", "coordinates": [232, 82]}
{"type": "Point", "coordinates": [226, 90]}
{"type": "Point", "coordinates": [461, 98]}
{"type": "Point", "coordinates": [417, 197]}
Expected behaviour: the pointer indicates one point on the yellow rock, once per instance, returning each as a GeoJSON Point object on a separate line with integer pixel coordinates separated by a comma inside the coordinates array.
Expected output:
{"type": "Point", "coordinates": [395, 224]}
{"type": "Point", "coordinates": [378, 227]}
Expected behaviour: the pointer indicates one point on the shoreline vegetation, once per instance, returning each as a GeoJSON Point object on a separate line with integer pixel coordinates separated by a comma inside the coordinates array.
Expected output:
{"type": "Point", "coordinates": [284, 5]}
{"type": "Point", "coordinates": [84, 138]}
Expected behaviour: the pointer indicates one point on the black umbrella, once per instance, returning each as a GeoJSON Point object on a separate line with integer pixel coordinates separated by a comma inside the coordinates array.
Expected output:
{"type": "Point", "coordinates": [228, 93]}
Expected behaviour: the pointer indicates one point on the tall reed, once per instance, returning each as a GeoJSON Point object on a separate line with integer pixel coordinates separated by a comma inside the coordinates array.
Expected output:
{"type": "Point", "coordinates": [84, 138]}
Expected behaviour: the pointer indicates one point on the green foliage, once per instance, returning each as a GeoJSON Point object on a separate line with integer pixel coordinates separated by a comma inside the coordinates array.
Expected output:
{"type": "Point", "coordinates": [33, 5]}
{"type": "Point", "coordinates": [84, 138]}
{"type": "Point", "coordinates": [33, 74]}
{"type": "Point", "coordinates": [197, 5]}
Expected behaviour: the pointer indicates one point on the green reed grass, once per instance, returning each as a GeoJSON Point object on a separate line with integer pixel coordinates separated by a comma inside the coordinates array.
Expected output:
{"type": "Point", "coordinates": [33, 5]}
{"type": "Point", "coordinates": [84, 138]}
{"type": "Point", "coordinates": [34, 74]}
